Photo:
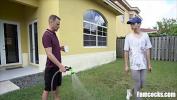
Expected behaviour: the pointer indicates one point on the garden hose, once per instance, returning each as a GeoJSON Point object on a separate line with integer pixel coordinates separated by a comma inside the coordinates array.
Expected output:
{"type": "Point", "coordinates": [67, 69]}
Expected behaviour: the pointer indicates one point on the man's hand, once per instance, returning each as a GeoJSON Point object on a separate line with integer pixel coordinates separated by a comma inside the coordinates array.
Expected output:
{"type": "Point", "coordinates": [149, 68]}
{"type": "Point", "coordinates": [62, 68]}
{"type": "Point", "coordinates": [62, 48]}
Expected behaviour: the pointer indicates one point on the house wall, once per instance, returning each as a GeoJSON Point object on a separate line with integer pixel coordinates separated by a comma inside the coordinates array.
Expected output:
{"type": "Point", "coordinates": [20, 12]}
{"type": "Point", "coordinates": [41, 14]}
{"type": "Point", "coordinates": [13, 12]}
{"type": "Point", "coordinates": [122, 28]}
{"type": "Point", "coordinates": [33, 3]}
{"type": "Point", "coordinates": [71, 33]}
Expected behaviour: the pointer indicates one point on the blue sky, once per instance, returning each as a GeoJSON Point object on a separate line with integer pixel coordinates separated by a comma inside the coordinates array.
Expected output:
{"type": "Point", "coordinates": [154, 10]}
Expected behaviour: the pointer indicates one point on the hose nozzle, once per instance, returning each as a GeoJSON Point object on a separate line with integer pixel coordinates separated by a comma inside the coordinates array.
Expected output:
{"type": "Point", "coordinates": [69, 69]}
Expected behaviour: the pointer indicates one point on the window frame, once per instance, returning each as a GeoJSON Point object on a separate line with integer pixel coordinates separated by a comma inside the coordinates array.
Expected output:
{"type": "Point", "coordinates": [96, 46]}
{"type": "Point", "coordinates": [104, 33]}
{"type": "Point", "coordinates": [122, 18]}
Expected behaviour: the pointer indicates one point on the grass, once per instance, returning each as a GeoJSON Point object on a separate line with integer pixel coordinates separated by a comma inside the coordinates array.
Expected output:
{"type": "Point", "coordinates": [108, 82]}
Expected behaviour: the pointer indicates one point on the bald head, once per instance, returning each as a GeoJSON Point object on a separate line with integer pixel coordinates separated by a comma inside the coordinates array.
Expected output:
{"type": "Point", "coordinates": [54, 22]}
{"type": "Point", "coordinates": [53, 18]}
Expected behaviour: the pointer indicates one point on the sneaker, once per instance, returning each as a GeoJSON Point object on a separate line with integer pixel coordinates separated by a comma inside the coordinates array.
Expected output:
{"type": "Point", "coordinates": [129, 94]}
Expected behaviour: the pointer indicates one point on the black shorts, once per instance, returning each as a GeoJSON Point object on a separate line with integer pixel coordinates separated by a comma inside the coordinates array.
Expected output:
{"type": "Point", "coordinates": [48, 74]}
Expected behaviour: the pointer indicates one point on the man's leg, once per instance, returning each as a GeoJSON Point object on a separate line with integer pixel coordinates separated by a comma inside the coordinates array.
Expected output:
{"type": "Point", "coordinates": [56, 94]}
{"type": "Point", "coordinates": [137, 82]}
{"type": "Point", "coordinates": [56, 88]}
{"type": "Point", "coordinates": [142, 77]}
{"type": "Point", "coordinates": [47, 83]}
{"type": "Point", "coordinates": [58, 80]}
{"type": "Point", "coordinates": [45, 95]}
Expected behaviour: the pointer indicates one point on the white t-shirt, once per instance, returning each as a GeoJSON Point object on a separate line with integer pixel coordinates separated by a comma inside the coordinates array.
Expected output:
{"type": "Point", "coordinates": [137, 47]}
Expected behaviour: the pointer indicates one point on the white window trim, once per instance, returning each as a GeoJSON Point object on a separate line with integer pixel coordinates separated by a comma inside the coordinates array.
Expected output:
{"type": "Point", "coordinates": [95, 46]}
{"type": "Point", "coordinates": [94, 24]}
{"type": "Point", "coordinates": [29, 56]}
{"type": "Point", "coordinates": [19, 42]}
{"type": "Point", "coordinates": [122, 18]}
{"type": "Point", "coordinates": [96, 36]}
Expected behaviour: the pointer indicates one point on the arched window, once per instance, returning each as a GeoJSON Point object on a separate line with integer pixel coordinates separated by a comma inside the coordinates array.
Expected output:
{"type": "Point", "coordinates": [94, 29]}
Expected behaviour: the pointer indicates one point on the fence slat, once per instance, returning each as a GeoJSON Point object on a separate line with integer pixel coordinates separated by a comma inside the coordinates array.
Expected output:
{"type": "Point", "coordinates": [175, 49]}
{"type": "Point", "coordinates": [172, 51]}
{"type": "Point", "coordinates": [167, 41]}
{"type": "Point", "coordinates": [170, 48]}
{"type": "Point", "coordinates": [159, 47]}
{"type": "Point", "coordinates": [163, 49]}
{"type": "Point", "coordinates": [151, 48]}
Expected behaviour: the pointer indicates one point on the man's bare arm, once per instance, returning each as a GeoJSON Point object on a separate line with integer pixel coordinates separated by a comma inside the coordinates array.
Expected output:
{"type": "Point", "coordinates": [126, 60]}
{"type": "Point", "coordinates": [54, 59]}
{"type": "Point", "coordinates": [148, 59]}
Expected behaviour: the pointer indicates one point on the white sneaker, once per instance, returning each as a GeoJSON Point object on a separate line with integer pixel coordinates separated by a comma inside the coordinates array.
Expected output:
{"type": "Point", "coordinates": [129, 94]}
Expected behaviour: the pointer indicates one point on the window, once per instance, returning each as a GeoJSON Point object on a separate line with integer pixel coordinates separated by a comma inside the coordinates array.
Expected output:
{"type": "Point", "coordinates": [33, 37]}
{"type": "Point", "coordinates": [122, 18]}
{"type": "Point", "coordinates": [130, 16]}
{"type": "Point", "coordinates": [94, 29]}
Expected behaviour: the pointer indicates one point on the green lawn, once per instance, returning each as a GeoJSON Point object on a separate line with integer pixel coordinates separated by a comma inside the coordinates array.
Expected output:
{"type": "Point", "coordinates": [107, 82]}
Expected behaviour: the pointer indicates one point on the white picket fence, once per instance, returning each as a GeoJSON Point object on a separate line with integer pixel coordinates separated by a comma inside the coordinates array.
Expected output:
{"type": "Point", "coordinates": [163, 48]}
